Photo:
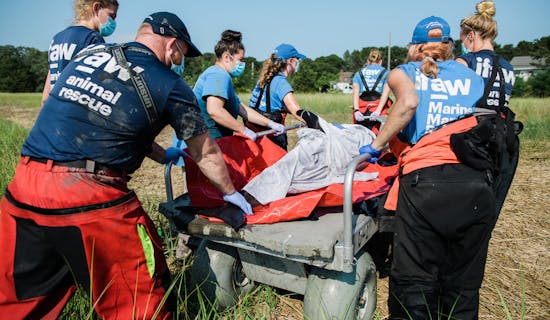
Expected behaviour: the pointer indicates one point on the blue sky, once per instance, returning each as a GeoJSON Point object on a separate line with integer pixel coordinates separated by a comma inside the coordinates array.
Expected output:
{"type": "Point", "coordinates": [316, 28]}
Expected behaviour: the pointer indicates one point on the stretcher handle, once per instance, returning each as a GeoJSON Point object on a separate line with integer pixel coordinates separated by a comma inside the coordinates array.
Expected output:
{"type": "Point", "coordinates": [348, 212]}
{"type": "Point", "coordinates": [381, 119]}
{"type": "Point", "coordinates": [270, 131]}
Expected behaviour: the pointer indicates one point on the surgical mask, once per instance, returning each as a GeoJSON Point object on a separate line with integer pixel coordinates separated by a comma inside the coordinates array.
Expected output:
{"type": "Point", "coordinates": [464, 49]}
{"type": "Point", "coordinates": [238, 69]}
{"type": "Point", "coordinates": [178, 68]}
{"type": "Point", "coordinates": [297, 66]}
{"type": "Point", "coordinates": [107, 28]}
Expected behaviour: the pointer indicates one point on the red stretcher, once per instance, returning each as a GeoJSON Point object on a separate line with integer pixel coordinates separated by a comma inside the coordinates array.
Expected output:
{"type": "Point", "coordinates": [245, 159]}
{"type": "Point", "coordinates": [324, 257]}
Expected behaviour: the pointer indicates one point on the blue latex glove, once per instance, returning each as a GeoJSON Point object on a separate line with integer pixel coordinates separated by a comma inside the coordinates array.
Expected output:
{"type": "Point", "coordinates": [177, 143]}
{"type": "Point", "coordinates": [374, 154]}
{"type": "Point", "coordinates": [237, 199]}
{"type": "Point", "coordinates": [173, 154]}
{"type": "Point", "coordinates": [251, 134]}
{"type": "Point", "coordinates": [279, 128]}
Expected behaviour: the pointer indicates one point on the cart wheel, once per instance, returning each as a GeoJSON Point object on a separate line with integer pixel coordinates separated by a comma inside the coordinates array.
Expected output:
{"type": "Point", "coordinates": [217, 272]}
{"type": "Point", "coordinates": [338, 295]}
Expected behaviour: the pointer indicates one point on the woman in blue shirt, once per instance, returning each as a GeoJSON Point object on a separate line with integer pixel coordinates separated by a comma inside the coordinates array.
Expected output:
{"type": "Point", "coordinates": [220, 106]}
{"type": "Point", "coordinates": [477, 33]}
{"type": "Point", "coordinates": [95, 19]}
{"type": "Point", "coordinates": [370, 91]}
{"type": "Point", "coordinates": [273, 95]}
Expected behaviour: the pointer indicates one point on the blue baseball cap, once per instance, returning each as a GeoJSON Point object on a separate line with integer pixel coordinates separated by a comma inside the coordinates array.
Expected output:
{"type": "Point", "coordinates": [285, 51]}
{"type": "Point", "coordinates": [168, 24]}
{"type": "Point", "coordinates": [420, 34]}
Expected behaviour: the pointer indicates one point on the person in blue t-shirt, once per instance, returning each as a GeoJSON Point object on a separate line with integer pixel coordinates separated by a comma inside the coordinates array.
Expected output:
{"type": "Point", "coordinates": [274, 97]}
{"type": "Point", "coordinates": [95, 19]}
{"type": "Point", "coordinates": [220, 106]}
{"type": "Point", "coordinates": [444, 208]}
{"type": "Point", "coordinates": [370, 91]}
{"type": "Point", "coordinates": [477, 33]}
{"type": "Point", "coordinates": [68, 216]}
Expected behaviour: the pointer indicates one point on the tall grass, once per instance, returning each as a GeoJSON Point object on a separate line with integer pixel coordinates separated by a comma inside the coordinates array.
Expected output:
{"type": "Point", "coordinates": [534, 113]}
{"type": "Point", "coordinates": [12, 138]}
{"type": "Point", "coordinates": [26, 100]}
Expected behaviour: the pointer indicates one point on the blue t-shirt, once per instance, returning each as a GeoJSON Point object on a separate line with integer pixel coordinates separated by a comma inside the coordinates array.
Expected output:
{"type": "Point", "coordinates": [67, 44]}
{"type": "Point", "coordinates": [279, 88]}
{"type": "Point", "coordinates": [95, 113]}
{"type": "Point", "coordinates": [451, 95]}
{"type": "Point", "coordinates": [482, 63]}
{"type": "Point", "coordinates": [371, 73]}
{"type": "Point", "coordinates": [215, 81]}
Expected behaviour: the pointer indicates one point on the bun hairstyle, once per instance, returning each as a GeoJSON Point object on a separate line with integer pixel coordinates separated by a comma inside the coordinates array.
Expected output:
{"type": "Point", "coordinates": [482, 21]}
{"type": "Point", "coordinates": [230, 42]}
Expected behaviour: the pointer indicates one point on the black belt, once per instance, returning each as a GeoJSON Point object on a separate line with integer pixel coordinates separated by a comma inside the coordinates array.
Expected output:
{"type": "Point", "coordinates": [90, 165]}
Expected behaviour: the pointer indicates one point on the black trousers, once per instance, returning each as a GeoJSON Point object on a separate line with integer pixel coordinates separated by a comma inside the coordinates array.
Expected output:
{"type": "Point", "coordinates": [507, 171]}
{"type": "Point", "coordinates": [443, 223]}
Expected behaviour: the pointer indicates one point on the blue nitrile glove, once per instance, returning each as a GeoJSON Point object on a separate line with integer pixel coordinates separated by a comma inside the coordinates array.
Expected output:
{"type": "Point", "coordinates": [251, 134]}
{"type": "Point", "coordinates": [237, 199]}
{"type": "Point", "coordinates": [279, 128]}
{"type": "Point", "coordinates": [177, 143]}
{"type": "Point", "coordinates": [374, 154]}
{"type": "Point", "coordinates": [173, 154]}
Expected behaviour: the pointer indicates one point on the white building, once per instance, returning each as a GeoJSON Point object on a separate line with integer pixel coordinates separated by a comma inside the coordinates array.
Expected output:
{"type": "Point", "coordinates": [526, 66]}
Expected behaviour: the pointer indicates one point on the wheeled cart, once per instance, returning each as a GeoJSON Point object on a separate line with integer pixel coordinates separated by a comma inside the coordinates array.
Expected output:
{"type": "Point", "coordinates": [324, 259]}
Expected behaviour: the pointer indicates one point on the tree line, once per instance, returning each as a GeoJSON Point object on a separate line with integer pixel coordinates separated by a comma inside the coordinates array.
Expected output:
{"type": "Point", "coordinates": [24, 69]}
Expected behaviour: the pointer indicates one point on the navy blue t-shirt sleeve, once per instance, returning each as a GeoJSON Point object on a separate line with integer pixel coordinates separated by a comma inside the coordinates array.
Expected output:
{"type": "Point", "coordinates": [183, 112]}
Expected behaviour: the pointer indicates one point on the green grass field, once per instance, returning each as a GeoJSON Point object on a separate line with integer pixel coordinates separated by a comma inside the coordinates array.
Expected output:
{"type": "Point", "coordinates": [534, 113]}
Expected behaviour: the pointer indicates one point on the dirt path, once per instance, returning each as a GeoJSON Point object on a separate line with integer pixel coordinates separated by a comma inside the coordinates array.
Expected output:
{"type": "Point", "coordinates": [519, 252]}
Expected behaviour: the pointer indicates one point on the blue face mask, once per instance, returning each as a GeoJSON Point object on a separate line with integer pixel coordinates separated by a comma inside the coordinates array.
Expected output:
{"type": "Point", "coordinates": [178, 68]}
{"type": "Point", "coordinates": [108, 28]}
{"type": "Point", "coordinates": [238, 69]}
{"type": "Point", "coordinates": [464, 49]}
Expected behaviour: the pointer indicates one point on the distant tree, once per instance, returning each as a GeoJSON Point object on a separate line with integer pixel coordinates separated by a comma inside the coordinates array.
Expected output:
{"type": "Point", "coordinates": [507, 51]}
{"type": "Point", "coordinates": [521, 88]}
{"type": "Point", "coordinates": [37, 62]}
{"type": "Point", "coordinates": [304, 80]}
{"type": "Point", "coordinates": [540, 84]}
{"type": "Point", "coordinates": [15, 73]}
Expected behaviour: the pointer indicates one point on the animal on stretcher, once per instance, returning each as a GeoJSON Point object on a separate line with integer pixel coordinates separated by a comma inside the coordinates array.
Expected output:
{"type": "Point", "coordinates": [285, 186]}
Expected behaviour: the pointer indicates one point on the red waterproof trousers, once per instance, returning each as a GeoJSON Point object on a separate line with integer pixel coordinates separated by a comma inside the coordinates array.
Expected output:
{"type": "Point", "coordinates": [61, 226]}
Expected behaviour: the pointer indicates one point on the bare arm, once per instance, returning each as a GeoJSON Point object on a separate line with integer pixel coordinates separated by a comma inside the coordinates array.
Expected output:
{"type": "Point", "coordinates": [215, 109]}
{"type": "Point", "coordinates": [355, 94]}
{"type": "Point", "coordinates": [47, 88]}
{"type": "Point", "coordinates": [383, 98]}
{"type": "Point", "coordinates": [403, 110]}
{"type": "Point", "coordinates": [292, 105]}
{"type": "Point", "coordinates": [208, 157]}
{"type": "Point", "coordinates": [157, 153]}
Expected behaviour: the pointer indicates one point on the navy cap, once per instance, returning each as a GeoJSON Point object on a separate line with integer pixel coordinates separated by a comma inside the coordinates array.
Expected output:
{"type": "Point", "coordinates": [420, 34]}
{"type": "Point", "coordinates": [285, 51]}
{"type": "Point", "coordinates": [168, 24]}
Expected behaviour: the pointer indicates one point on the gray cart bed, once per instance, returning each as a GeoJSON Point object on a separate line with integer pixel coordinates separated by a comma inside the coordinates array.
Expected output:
{"type": "Point", "coordinates": [323, 259]}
